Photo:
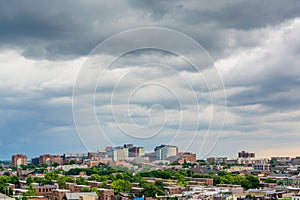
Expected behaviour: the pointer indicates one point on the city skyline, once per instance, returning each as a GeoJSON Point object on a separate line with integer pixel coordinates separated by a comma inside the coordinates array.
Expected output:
{"type": "Point", "coordinates": [244, 95]}
{"type": "Point", "coordinates": [240, 154]}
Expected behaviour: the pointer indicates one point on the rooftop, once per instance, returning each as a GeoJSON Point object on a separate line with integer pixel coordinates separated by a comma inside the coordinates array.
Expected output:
{"type": "Point", "coordinates": [76, 196]}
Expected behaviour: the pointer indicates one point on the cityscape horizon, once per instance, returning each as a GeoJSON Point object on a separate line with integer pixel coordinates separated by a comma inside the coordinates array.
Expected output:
{"type": "Point", "coordinates": [149, 100]}
{"type": "Point", "coordinates": [234, 155]}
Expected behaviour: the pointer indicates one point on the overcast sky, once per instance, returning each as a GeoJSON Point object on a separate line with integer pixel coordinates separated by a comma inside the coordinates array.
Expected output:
{"type": "Point", "coordinates": [150, 96]}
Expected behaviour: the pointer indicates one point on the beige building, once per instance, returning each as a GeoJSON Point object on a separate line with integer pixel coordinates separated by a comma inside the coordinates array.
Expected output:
{"type": "Point", "coordinates": [81, 196]}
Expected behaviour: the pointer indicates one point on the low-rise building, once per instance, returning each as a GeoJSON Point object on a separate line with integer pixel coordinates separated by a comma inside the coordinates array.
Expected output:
{"type": "Point", "coordinates": [262, 167]}
{"type": "Point", "coordinates": [172, 190]}
{"type": "Point", "coordinates": [5, 197]}
{"type": "Point", "coordinates": [296, 197]}
{"type": "Point", "coordinates": [81, 196]}
{"type": "Point", "coordinates": [239, 169]}
{"type": "Point", "coordinates": [43, 190]}
{"type": "Point", "coordinates": [78, 188]}
{"type": "Point", "coordinates": [105, 194]}
{"type": "Point", "coordinates": [59, 194]}
{"type": "Point", "coordinates": [187, 157]}
{"type": "Point", "coordinates": [199, 181]}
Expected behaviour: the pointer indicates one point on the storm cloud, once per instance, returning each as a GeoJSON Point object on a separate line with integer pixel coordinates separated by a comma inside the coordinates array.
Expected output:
{"type": "Point", "coordinates": [254, 46]}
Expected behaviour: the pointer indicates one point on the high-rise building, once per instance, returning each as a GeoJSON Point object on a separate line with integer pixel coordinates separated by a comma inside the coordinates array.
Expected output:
{"type": "Point", "coordinates": [125, 151]}
{"type": "Point", "coordinates": [128, 146]}
{"type": "Point", "coordinates": [18, 159]}
{"type": "Point", "coordinates": [164, 151]}
{"type": "Point", "coordinates": [118, 153]}
{"type": "Point", "coordinates": [244, 154]}
{"type": "Point", "coordinates": [136, 152]}
{"type": "Point", "coordinates": [151, 156]}
{"type": "Point", "coordinates": [35, 161]}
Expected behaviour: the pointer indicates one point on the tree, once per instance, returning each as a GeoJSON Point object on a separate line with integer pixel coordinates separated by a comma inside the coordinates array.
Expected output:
{"type": "Point", "coordinates": [94, 189]}
{"type": "Point", "coordinates": [151, 190]}
{"type": "Point", "coordinates": [50, 176]}
{"type": "Point", "coordinates": [74, 171]}
{"type": "Point", "coordinates": [159, 184]}
{"type": "Point", "coordinates": [72, 162]}
{"type": "Point", "coordinates": [189, 173]}
{"type": "Point", "coordinates": [63, 179]}
{"type": "Point", "coordinates": [226, 179]}
{"type": "Point", "coordinates": [38, 180]}
{"type": "Point", "coordinates": [69, 179]}
{"type": "Point", "coordinates": [95, 177]}
{"type": "Point", "coordinates": [249, 196]}
{"type": "Point", "coordinates": [85, 190]}
{"type": "Point", "coordinates": [166, 174]}
{"type": "Point", "coordinates": [24, 167]}
{"type": "Point", "coordinates": [29, 180]}
{"type": "Point", "coordinates": [81, 181]}
{"type": "Point", "coordinates": [175, 163]}
{"type": "Point", "coordinates": [280, 182]}
{"type": "Point", "coordinates": [138, 179]}
{"type": "Point", "coordinates": [6, 174]}
{"type": "Point", "coordinates": [181, 179]}
{"type": "Point", "coordinates": [248, 181]}
{"type": "Point", "coordinates": [4, 180]}
{"type": "Point", "coordinates": [253, 181]}
{"type": "Point", "coordinates": [30, 192]}
{"type": "Point", "coordinates": [44, 165]}
{"type": "Point", "coordinates": [269, 180]}
{"type": "Point", "coordinates": [14, 180]}
{"type": "Point", "coordinates": [121, 186]}
{"type": "Point", "coordinates": [103, 185]}
{"type": "Point", "coordinates": [55, 165]}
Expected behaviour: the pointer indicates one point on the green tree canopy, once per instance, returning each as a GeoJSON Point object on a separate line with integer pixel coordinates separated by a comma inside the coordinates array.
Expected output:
{"type": "Point", "coordinates": [29, 180]}
{"type": "Point", "coordinates": [121, 186]}
{"type": "Point", "coordinates": [30, 192]}
{"type": "Point", "coordinates": [14, 180]}
{"type": "Point", "coordinates": [4, 180]}
{"type": "Point", "coordinates": [81, 181]}
{"type": "Point", "coordinates": [151, 190]}
{"type": "Point", "coordinates": [50, 176]}
{"type": "Point", "coordinates": [55, 164]}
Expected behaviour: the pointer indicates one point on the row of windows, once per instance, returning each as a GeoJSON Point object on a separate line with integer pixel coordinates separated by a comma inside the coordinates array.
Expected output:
{"type": "Point", "coordinates": [45, 189]}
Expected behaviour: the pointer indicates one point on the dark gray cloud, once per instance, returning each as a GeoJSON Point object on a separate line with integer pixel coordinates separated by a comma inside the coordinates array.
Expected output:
{"type": "Point", "coordinates": [62, 30]}
{"type": "Point", "coordinates": [248, 14]}
{"type": "Point", "coordinates": [54, 29]}
{"type": "Point", "coordinates": [255, 45]}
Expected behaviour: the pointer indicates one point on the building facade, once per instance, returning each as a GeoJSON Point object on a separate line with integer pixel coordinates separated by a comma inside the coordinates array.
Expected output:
{"type": "Point", "coordinates": [262, 167]}
{"type": "Point", "coordinates": [118, 153]}
{"type": "Point", "coordinates": [18, 160]}
{"type": "Point", "coordinates": [188, 157]}
{"type": "Point", "coordinates": [50, 159]}
{"type": "Point", "coordinates": [244, 154]}
{"type": "Point", "coordinates": [164, 151]}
